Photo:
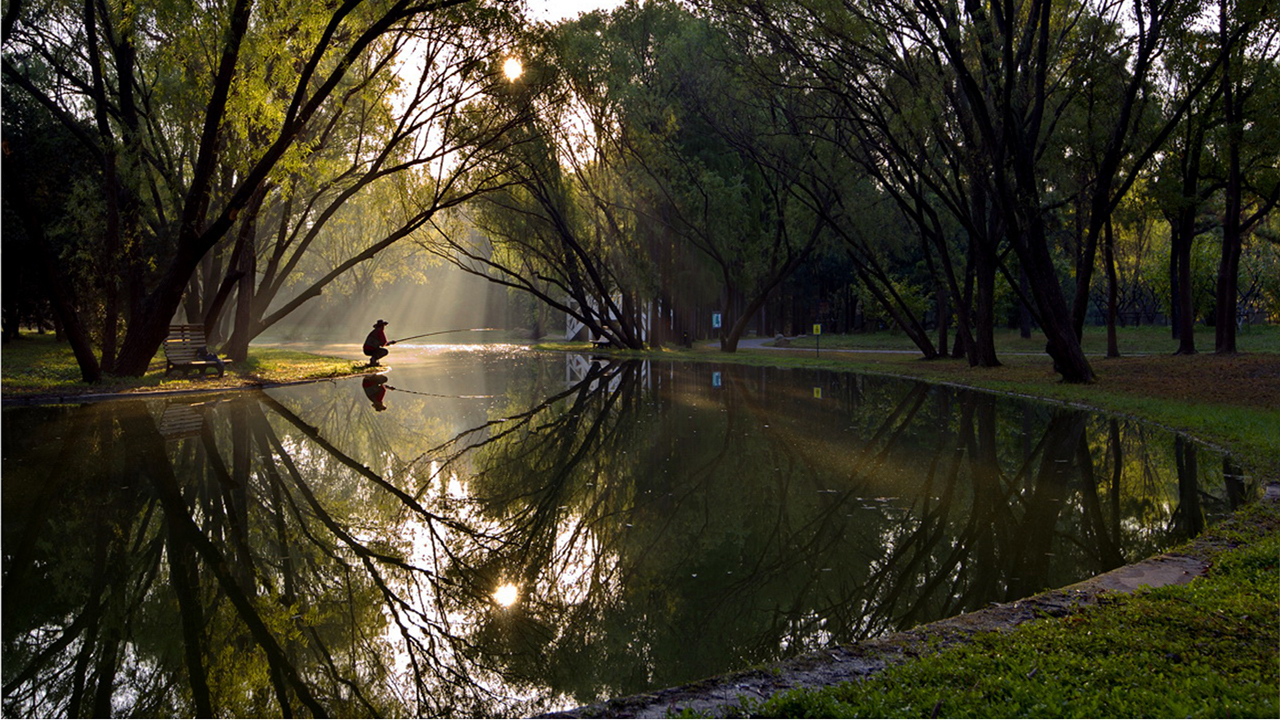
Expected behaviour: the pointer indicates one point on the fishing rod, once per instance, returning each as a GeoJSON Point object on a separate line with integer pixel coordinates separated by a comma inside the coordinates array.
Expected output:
{"type": "Point", "coordinates": [442, 332]}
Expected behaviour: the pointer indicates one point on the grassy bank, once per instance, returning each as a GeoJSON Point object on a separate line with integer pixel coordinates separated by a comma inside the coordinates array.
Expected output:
{"type": "Point", "coordinates": [1139, 340]}
{"type": "Point", "coordinates": [37, 366]}
{"type": "Point", "coordinates": [1207, 649]}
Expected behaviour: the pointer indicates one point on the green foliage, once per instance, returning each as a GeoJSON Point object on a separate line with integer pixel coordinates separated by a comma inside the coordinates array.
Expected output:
{"type": "Point", "coordinates": [915, 297]}
{"type": "Point", "coordinates": [1205, 253]}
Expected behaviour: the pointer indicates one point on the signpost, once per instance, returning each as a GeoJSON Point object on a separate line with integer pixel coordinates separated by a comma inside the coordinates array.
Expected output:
{"type": "Point", "coordinates": [817, 334]}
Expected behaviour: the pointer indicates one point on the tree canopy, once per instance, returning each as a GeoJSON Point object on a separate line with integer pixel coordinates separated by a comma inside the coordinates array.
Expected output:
{"type": "Point", "coordinates": [769, 162]}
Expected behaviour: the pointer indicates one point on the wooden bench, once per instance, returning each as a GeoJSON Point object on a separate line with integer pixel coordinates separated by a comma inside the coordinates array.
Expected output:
{"type": "Point", "coordinates": [187, 349]}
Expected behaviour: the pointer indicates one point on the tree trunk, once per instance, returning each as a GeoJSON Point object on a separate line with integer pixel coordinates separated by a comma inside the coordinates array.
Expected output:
{"type": "Point", "coordinates": [1113, 293]}
{"type": "Point", "coordinates": [1186, 317]}
{"type": "Point", "coordinates": [245, 258]}
{"type": "Point", "coordinates": [1055, 317]}
{"type": "Point", "coordinates": [1175, 284]}
{"type": "Point", "coordinates": [90, 370]}
{"type": "Point", "coordinates": [64, 312]}
{"type": "Point", "coordinates": [1183, 231]}
{"type": "Point", "coordinates": [964, 316]}
{"type": "Point", "coordinates": [1229, 267]}
{"type": "Point", "coordinates": [238, 345]}
{"type": "Point", "coordinates": [944, 316]}
{"type": "Point", "coordinates": [983, 352]}
{"type": "Point", "coordinates": [899, 313]}
{"type": "Point", "coordinates": [1024, 312]}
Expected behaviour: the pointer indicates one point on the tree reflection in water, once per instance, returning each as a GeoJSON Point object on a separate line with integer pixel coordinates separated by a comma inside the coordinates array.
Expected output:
{"type": "Point", "coordinates": [266, 555]}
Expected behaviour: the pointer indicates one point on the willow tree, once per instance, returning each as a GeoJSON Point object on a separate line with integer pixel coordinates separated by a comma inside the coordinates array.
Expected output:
{"type": "Point", "coordinates": [399, 148]}
{"type": "Point", "coordinates": [567, 226]}
{"type": "Point", "coordinates": [164, 95]}
{"type": "Point", "coordinates": [558, 228]}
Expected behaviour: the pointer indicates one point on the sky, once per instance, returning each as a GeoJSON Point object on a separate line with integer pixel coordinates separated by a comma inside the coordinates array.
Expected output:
{"type": "Point", "coordinates": [554, 10]}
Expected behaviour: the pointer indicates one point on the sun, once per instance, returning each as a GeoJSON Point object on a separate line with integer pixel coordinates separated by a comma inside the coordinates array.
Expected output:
{"type": "Point", "coordinates": [512, 68]}
{"type": "Point", "coordinates": [507, 595]}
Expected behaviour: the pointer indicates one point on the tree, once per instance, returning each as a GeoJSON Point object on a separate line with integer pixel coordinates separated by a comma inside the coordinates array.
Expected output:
{"type": "Point", "coordinates": [1249, 38]}
{"type": "Point", "coordinates": [856, 52]}
{"type": "Point", "coordinates": [165, 114]}
{"type": "Point", "coordinates": [402, 157]}
{"type": "Point", "coordinates": [562, 228]}
{"type": "Point", "coordinates": [1182, 191]}
{"type": "Point", "coordinates": [1006, 75]}
{"type": "Point", "coordinates": [727, 166]}
{"type": "Point", "coordinates": [55, 207]}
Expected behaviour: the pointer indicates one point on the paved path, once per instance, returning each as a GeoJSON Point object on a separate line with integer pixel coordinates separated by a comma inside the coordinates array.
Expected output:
{"type": "Point", "coordinates": [758, 343]}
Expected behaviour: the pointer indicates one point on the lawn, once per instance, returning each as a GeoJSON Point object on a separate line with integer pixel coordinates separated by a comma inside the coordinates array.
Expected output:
{"type": "Point", "coordinates": [1136, 340]}
{"type": "Point", "coordinates": [37, 365]}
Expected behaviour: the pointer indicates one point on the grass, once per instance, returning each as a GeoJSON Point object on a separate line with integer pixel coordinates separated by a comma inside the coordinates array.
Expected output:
{"type": "Point", "coordinates": [39, 366]}
{"type": "Point", "coordinates": [1207, 649]}
{"type": "Point", "coordinates": [1142, 339]}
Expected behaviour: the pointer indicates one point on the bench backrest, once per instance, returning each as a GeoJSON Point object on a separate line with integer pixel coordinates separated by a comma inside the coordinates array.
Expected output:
{"type": "Point", "coordinates": [184, 341]}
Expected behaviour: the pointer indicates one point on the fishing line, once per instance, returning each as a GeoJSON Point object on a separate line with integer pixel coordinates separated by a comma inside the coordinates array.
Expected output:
{"type": "Point", "coordinates": [453, 397]}
{"type": "Point", "coordinates": [442, 332]}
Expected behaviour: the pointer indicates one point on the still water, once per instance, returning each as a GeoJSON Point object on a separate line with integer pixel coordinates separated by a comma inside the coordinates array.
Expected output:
{"type": "Point", "coordinates": [496, 532]}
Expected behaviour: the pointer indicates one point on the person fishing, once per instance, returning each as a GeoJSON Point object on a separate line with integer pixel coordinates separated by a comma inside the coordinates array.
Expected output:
{"type": "Point", "coordinates": [375, 344]}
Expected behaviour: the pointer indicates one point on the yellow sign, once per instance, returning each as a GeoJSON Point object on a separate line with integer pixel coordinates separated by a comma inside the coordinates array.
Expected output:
{"type": "Point", "coordinates": [817, 329]}
{"type": "Point", "coordinates": [817, 393]}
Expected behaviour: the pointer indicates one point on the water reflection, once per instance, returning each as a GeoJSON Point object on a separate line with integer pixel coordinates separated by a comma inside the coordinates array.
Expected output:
{"type": "Point", "coordinates": [537, 534]}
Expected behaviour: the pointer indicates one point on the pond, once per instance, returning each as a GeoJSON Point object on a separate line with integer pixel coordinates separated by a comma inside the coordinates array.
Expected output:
{"type": "Point", "coordinates": [491, 531]}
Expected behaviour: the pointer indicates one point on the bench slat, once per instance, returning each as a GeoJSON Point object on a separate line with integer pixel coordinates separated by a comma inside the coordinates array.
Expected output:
{"type": "Point", "coordinates": [182, 347]}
